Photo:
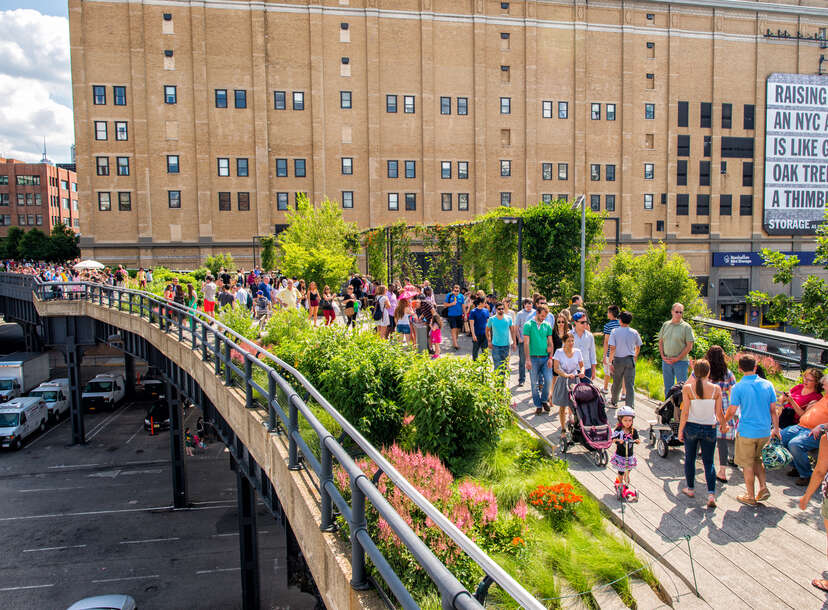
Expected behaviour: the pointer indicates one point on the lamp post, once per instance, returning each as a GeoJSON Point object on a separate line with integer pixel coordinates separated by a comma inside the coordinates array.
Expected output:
{"type": "Point", "coordinates": [581, 201]}
{"type": "Point", "coordinates": [519, 221]}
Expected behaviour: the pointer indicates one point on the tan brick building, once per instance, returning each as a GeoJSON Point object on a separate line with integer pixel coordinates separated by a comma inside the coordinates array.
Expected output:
{"type": "Point", "coordinates": [37, 196]}
{"type": "Point", "coordinates": [431, 111]}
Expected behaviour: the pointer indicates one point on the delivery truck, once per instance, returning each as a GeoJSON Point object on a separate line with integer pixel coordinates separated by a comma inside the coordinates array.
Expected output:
{"type": "Point", "coordinates": [21, 372]}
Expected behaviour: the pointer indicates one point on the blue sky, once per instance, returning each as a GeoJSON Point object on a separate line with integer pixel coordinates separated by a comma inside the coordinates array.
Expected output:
{"type": "Point", "coordinates": [35, 80]}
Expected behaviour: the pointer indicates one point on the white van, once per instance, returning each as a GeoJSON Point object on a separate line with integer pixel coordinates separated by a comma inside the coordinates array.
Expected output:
{"type": "Point", "coordinates": [104, 391]}
{"type": "Point", "coordinates": [56, 395]}
{"type": "Point", "coordinates": [20, 418]}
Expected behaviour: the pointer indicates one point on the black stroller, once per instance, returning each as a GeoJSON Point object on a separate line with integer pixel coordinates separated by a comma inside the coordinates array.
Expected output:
{"type": "Point", "coordinates": [590, 426]}
{"type": "Point", "coordinates": [664, 430]}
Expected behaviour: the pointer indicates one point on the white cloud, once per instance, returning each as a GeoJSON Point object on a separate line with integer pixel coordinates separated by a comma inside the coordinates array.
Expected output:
{"type": "Point", "coordinates": [35, 85]}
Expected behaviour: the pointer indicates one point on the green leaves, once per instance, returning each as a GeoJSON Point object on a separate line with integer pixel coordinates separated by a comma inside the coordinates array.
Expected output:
{"type": "Point", "coordinates": [218, 262]}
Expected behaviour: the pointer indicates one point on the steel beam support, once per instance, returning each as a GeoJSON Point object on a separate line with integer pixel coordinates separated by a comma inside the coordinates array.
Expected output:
{"type": "Point", "coordinates": [129, 374]}
{"type": "Point", "coordinates": [178, 467]}
{"type": "Point", "coordinates": [248, 546]}
{"type": "Point", "coordinates": [73, 356]}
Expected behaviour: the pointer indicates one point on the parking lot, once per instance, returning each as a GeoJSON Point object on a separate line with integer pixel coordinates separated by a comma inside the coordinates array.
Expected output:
{"type": "Point", "coordinates": [78, 521]}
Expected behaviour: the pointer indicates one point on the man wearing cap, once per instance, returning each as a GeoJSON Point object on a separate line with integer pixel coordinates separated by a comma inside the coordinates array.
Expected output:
{"type": "Point", "coordinates": [585, 342]}
{"type": "Point", "coordinates": [261, 306]}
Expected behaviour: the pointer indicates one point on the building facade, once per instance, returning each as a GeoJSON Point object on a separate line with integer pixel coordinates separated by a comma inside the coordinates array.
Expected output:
{"type": "Point", "coordinates": [37, 195]}
{"type": "Point", "coordinates": [197, 123]}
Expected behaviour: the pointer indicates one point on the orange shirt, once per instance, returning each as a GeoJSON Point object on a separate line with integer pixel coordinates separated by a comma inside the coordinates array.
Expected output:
{"type": "Point", "coordinates": [816, 414]}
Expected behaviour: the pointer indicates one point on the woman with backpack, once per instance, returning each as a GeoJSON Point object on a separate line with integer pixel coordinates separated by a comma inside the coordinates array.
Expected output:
{"type": "Point", "coordinates": [380, 314]}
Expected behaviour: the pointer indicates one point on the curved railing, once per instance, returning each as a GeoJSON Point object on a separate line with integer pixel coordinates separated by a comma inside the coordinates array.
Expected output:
{"type": "Point", "coordinates": [215, 341]}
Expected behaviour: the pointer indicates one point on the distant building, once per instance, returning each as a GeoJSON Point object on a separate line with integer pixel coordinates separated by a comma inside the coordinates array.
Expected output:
{"type": "Point", "coordinates": [37, 195]}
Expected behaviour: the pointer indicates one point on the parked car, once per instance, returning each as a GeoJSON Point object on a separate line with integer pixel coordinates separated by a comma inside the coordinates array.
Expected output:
{"type": "Point", "coordinates": [20, 418]}
{"type": "Point", "coordinates": [151, 388]}
{"type": "Point", "coordinates": [105, 602]}
{"type": "Point", "coordinates": [103, 392]}
{"type": "Point", "coordinates": [56, 394]}
{"type": "Point", "coordinates": [158, 414]}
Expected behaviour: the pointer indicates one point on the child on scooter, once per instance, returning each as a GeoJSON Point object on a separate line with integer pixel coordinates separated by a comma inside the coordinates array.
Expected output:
{"type": "Point", "coordinates": [625, 436]}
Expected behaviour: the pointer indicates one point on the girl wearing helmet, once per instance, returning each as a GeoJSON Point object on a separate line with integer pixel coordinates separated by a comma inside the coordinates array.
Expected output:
{"type": "Point", "coordinates": [625, 436]}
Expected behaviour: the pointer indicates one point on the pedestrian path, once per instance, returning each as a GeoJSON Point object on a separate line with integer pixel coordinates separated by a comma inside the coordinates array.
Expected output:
{"type": "Point", "coordinates": [743, 557]}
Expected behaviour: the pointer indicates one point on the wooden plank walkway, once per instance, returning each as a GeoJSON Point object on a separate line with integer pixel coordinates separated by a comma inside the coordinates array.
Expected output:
{"type": "Point", "coordinates": [744, 557]}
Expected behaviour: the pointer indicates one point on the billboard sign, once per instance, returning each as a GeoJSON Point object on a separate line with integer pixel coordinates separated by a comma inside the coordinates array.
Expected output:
{"type": "Point", "coordinates": [796, 153]}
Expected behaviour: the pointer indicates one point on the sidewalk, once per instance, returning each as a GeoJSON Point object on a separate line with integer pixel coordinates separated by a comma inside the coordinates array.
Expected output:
{"type": "Point", "coordinates": [744, 557]}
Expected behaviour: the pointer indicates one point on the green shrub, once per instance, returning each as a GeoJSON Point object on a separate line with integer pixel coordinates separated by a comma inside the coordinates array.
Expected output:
{"type": "Point", "coordinates": [216, 262]}
{"type": "Point", "coordinates": [459, 406]}
{"type": "Point", "coordinates": [722, 338]}
{"type": "Point", "coordinates": [239, 320]}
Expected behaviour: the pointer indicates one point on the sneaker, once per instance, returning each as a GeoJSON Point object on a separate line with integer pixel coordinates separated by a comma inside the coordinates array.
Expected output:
{"type": "Point", "coordinates": [545, 406]}
{"type": "Point", "coordinates": [538, 411]}
{"type": "Point", "coordinates": [520, 383]}
{"type": "Point", "coordinates": [802, 482]}
{"type": "Point", "coordinates": [793, 472]}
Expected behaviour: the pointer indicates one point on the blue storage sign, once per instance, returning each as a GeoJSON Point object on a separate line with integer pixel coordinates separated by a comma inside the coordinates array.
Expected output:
{"type": "Point", "coordinates": [754, 259]}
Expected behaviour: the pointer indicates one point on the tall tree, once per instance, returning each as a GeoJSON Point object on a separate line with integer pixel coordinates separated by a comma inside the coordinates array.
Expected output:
{"type": "Point", "coordinates": [11, 242]}
{"type": "Point", "coordinates": [34, 245]}
{"type": "Point", "coordinates": [63, 244]}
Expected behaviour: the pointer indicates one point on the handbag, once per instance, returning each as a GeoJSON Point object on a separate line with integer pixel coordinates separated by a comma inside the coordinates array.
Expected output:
{"type": "Point", "coordinates": [775, 456]}
{"type": "Point", "coordinates": [349, 311]}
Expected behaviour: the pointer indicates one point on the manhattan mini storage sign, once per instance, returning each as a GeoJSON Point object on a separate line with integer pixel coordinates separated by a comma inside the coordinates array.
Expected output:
{"type": "Point", "coordinates": [796, 153]}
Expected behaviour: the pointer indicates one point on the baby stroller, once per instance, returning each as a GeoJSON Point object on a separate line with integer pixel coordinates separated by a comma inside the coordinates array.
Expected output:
{"type": "Point", "coordinates": [664, 430]}
{"type": "Point", "coordinates": [590, 426]}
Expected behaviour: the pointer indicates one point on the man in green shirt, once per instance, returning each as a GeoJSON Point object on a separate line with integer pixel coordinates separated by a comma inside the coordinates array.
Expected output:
{"type": "Point", "coordinates": [675, 340]}
{"type": "Point", "coordinates": [539, 348]}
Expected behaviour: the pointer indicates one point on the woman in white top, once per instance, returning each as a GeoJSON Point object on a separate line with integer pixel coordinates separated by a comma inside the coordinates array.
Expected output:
{"type": "Point", "coordinates": [701, 411]}
{"type": "Point", "coordinates": [383, 305]}
{"type": "Point", "coordinates": [569, 367]}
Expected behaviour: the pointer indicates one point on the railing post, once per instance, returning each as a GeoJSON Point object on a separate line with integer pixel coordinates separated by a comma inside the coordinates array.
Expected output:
{"type": "Point", "coordinates": [217, 351]}
{"type": "Point", "coordinates": [293, 428]}
{"type": "Point", "coordinates": [204, 345]}
{"type": "Point", "coordinates": [325, 476]}
{"type": "Point", "coordinates": [227, 370]}
{"type": "Point", "coordinates": [271, 396]}
{"type": "Point", "coordinates": [130, 303]}
{"type": "Point", "coordinates": [359, 576]}
{"type": "Point", "coordinates": [803, 357]}
{"type": "Point", "coordinates": [141, 307]}
{"type": "Point", "coordinates": [120, 299]}
{"type": "Point", "coordinates": [248, 378]}
{"type": "Point", "coordinates": [180, 317]}
{"type": "Point", "coordinates": [740, 337]}
{"type": "Point", "coordinates": [109, 298]}
{"type": "Point", "coordinates": [100, 296]}
{"type": "Point", "coordinates": [192, 317]}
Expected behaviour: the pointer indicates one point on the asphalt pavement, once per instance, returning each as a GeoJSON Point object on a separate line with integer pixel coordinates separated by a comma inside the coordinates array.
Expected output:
{"type": "Point", "coordinates": [77, 521]}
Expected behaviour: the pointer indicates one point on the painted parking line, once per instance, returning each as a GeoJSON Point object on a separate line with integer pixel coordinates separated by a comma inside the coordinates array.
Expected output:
{"type": "Point", "coordinates": [200, 572]}
{"type": "Point", "coordinates": [61, 466]}
{"type": "Point", "coordinates": [102, 580]}
{"type": "Point", "coordinates": [100, 428]}
{"type": "Point", "coordinates": [55, 548]}
{"type": "Point", "coordinates": [141, 427]}
{"type": "Point", "coordinates": [29, 491]}
{"type": "Point", "coordinates": [148, 540]}
{"type": "Point", "coordinates": [114, 512]}
{"type": "Point", "coordinates": [26, 587]}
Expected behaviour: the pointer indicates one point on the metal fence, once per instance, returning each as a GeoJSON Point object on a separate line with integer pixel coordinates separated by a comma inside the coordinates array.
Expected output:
{"type": "Point", "coordinates": [214, 342]}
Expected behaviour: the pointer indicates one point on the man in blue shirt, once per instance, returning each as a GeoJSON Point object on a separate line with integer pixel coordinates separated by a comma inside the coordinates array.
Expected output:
{"type": "Point", "coordinates": [757, 422]}
{"type": "Point", "coordinates": [455, 300]}
{"type": "Point", "coordinates": [499, 335]}
{"type": "Point", "coordinates": [613, 311]}
{"type": "Point", "coordinates": [479, 317]}
{"type": "Point", "coordinates": [523, 316]}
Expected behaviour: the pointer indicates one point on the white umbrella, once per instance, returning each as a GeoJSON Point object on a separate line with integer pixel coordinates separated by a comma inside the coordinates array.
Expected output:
{"type": "Point", "coordinates": [88, 264]}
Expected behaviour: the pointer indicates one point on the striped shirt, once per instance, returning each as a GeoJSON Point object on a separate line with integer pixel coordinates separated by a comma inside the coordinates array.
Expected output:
{"type": "Point", "coordinates": [609, 326]}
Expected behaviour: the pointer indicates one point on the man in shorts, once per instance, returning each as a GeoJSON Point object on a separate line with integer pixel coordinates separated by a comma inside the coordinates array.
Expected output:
{"type": "Point", "coordinates": [758, 421]}
{"type": "Point", "coordinates": [454, 313]}
{"type": "Point", "coordinates": [209, 291]}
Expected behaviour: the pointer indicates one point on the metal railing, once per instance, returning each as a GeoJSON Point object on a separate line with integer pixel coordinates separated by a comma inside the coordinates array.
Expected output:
{"type": "Point", "coordinates": [789, 349]}
{"type": "Point", "coordinates": [215, 342]}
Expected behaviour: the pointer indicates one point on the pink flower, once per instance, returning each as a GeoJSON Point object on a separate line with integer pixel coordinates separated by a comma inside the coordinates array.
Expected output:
{"type": "Point", "coordinates": [520, 510]}
{"type": "Point", "coordinates": [407, 420]}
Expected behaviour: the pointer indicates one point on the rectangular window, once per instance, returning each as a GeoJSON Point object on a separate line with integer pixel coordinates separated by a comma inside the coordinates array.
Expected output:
{"type": "Point", "coordinates": [594, 172]}
{"type": "Point", "coordinates": [683, 148]}
{"type": "Point", "coordinates": [505, 167]}
{"type": "Point", "coordinates": [299, 168]}
{"type": "Point", "coordinates": [410, 169]}
{"type": "Point", "coordinates": [723, 169]}
{"type": "Point", "coordinates": [609, 175]}
{"type": "Point", "coordinates": [745, 205]}
{"type": "Point", "coordinates": [563, 110]}
{"type": "Point", "coordinates": [170, 94]}
{"type": "Point", "coordinates": [4, 180]}
{"type": "Point", "coordinates": [347, 166]}
{"type": "Point", "coordinates": [224, 201]}
{"type": "Point", "coordinates": [100, 130]}
{"type": "Point", "coordinates": [462, 201]}
{"type": "Point", "coordinates": [410, 202]}
{"type": "Point", "coordinates": [172, 164]}
{"type": "Point", "coordinates": [281, 168]}
{"type": "Point", "coordinates": [595, 112]}
{"type": "Point", "coordinates": [610, 203]}
{"type": "Point", "coordinates": [648, 201]}
{"type": "Point", "coordinates": [505, 105]}
{"type": "Point", "coordinates": [463, 170]}
{"type": "Point", "coordinates": [393, 168]}
{"type": "Point", "coordinates": [345, 99]}
{"type": "Point", "coordinates": [242, 167]}
{"type": "Point", "coordinates": [707, 146]}
{"type": "Point", "coordinates": [243, 201]}
{"type": "Point", "coordinates": [279, 101]}
{"type": "Point", "coordinates": [727, 116]}
{"type": "Point", "coordinates": [682, 204]}
{"type": "Point", "coordinates": [445, 202]}
{"type": "Point", "coordinates": [4, 199]}
{"type": "Point", "coordinates": [546, 171]}
{"type": "Point", "coordinates": [240, 96]}
{"type": "Point", "coordinates": [649, 111]}
{"type": "Point", "coordinates": [21, 219]}
{"type": "Point", "coordinates": [462, 106]}
{"type": "Point", "coordinates": [750, 110]}
{"type": "Point", "coordinates": [223, 166]}
{"type": "Point", "coordinates": [445, 170]}
{"type": "Point", "coordinates": [281, 201]}
{"type": "Point", "coordinates": [547, 109]}
{"type": "Point", "coordinates": [104, 202]}
{"type": "Point", "coordinates": [704, 173]}
{"type": "Point", "coordinates": [391, 103]}
{"type": "Point", "coordinates": [563, 171]}
{"type": "Point", "coordinates": [747, 173]}
{"type": "Point", "coordinates": [31, 218]}
{"type": "Point", "coordinates": [595, 203]}
{"type": "Point", "coordinates": [706, 115]}
{"type": "Point", "coordinates": [506, 199]}
{"type": "Point", "coordinates": [99, 95]}
{"type": "Point", "coordinates": [298, 100]}
{"type": "Point", "coordinates": [649, 171]}
{"type": "Point", "coordinates": [408, 104]}
{"type": "Point", "coordinates": [702, 204]}
{"type": "Point", "coordinates": [610, 112]}
{"type": "Point", "coordinates": [123, 166]}
{"type": "Point", "coordinates": [39, 220]}
{"type": "Point", "coordinates": [174, 199]}
{"type": "Point", "coordinates": [683, 111]}
{"type": "Point", "coordinates": [659, 225]}
{"type": "Point", "coordinates": [393, 201]}
{"type": "Point", "coordinates": [699, 229]}
{"type": "Point", "coordinates": [119, 93]}
{"type": "Point", "coordinates": [681, 172]}
{"type": "Point", "coordinates": [121, 131]}
{"type": "Point", "coordinates": [124, 201]}
{"type": "Point", "coordinates": [445, 105]}
{"type": "Point", "coordinates": [739, 148]}
{"type": "Point", "coordinates": [725, 205]}
{"type": "Point", "coordinates": [221, 98]}
{"type": "Point", "coordinates": [64, 185]}
{"type": "Point", "coordinates": [102, 166]}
